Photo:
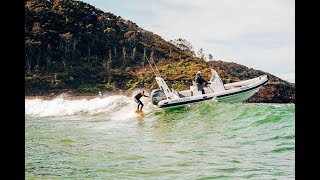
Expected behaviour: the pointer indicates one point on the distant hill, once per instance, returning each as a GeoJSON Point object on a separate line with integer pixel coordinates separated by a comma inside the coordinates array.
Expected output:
{"type": "Point", "coordinates": [71, 46]}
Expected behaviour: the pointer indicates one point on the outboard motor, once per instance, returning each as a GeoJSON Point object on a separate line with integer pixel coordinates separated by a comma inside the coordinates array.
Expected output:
{"type": "Point", "coordinates": [157, 95]}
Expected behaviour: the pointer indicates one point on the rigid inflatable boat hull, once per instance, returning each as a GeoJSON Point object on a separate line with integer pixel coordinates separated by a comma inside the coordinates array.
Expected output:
{"type": "Point", "coordinates": [238, 97]}
{"type": "Point", "coordinates": [233, 97]}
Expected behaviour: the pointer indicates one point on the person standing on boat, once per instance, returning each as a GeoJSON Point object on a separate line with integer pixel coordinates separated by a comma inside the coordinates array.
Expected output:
{"type": "Point", "coordinates": [200, 82]}
{"type": "Point", "coordinates": [137, 99]}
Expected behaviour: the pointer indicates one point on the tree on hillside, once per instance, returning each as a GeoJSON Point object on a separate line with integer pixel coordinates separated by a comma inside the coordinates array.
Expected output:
{"type": "Point", "coordinates": [133, 53]}
{"type": "Point", "coordinates": [48, 57]}
{"type": "Point", "coordinates": [201, 54]}
{"type": "Point", "coordinates": [144, 55]}
{"type": "Point", "coordinates": [115, 52]}
{"type": "Point", "coordinates": [108, 66]}
{"type": "Point", "coordinates": [170, 51]}
{"type": "Point", "coordinates": [210, 57]}
{"type": "Point", "coordinates": [31, 50]}
{"type": "Point", "coordinates": [65, 43]}
{"type": "Point", "coordinates": [124, 53]}
{"type": "Point", "coordinates": [183, 45]}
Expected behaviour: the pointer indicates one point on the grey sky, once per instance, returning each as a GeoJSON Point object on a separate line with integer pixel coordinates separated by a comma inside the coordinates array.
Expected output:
{"type": "Point", "coordinates": [259, 34]}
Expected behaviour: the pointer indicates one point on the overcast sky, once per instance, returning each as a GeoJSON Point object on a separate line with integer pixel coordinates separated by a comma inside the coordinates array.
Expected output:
{"type": "Point", "coordinates": [259, 34]}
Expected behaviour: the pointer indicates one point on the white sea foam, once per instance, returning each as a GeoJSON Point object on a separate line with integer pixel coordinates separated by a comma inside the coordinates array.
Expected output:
{"type": "Point", "coordinates": [119, 106]}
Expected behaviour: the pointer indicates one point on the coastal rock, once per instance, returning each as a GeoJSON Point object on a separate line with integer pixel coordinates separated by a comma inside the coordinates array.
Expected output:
{"type": "Point", "coordinates": [274, 93]}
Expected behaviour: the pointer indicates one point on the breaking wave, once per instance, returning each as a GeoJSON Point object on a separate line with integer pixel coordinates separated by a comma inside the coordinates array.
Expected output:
{"type": "Point", "coordinates": [61, 106]}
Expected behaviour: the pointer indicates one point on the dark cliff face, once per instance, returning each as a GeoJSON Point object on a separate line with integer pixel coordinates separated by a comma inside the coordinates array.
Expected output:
{"type": "Point", "coordinates": [71, 46]}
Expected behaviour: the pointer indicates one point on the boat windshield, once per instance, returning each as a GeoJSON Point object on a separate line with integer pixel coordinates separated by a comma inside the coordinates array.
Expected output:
{"type": "Point", "coordinates": [213, 77]}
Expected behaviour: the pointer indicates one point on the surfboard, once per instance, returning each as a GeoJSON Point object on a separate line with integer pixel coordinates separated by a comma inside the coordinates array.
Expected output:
{"type": "Point", "coordinates": [138, 111]}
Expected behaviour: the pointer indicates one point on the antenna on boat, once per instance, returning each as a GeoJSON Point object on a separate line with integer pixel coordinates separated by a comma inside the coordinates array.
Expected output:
{"type": "Point", "coordinates": [161, 83]}
{"type": "Point", "coordinates": [155, 69]}
{"type": "Point", "coordinates": [155, 66]}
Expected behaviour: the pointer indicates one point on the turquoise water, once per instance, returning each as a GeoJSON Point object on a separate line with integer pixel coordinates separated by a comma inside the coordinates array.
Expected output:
{"type": "Point", "coordinates": [104, 139]}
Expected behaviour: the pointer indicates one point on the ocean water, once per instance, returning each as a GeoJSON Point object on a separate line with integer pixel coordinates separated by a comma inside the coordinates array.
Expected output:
{"type": "Point", "coordinates": [103, 138]}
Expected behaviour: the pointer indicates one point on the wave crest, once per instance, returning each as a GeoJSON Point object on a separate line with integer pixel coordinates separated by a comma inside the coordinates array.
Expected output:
{"type": "Point", "coordinates": [64, 107]}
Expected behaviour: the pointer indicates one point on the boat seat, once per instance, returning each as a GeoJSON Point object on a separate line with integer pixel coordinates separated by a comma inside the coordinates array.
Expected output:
{"type": "Point", "coordinates": [175, 92]}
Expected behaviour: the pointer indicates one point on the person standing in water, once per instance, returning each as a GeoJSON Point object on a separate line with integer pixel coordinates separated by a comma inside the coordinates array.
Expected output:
{"type": "Point", "coordinates": [137, 99]}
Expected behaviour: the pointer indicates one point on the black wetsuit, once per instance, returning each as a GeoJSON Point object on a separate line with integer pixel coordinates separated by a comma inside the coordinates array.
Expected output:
{"type": "Point", "coordinates": [201, 82]}
{"type": "Point", "coordinates": [137, 98]}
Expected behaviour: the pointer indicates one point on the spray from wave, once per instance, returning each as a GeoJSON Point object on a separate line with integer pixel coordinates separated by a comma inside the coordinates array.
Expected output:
{"type": "Point", "coordinates": [61, 106]}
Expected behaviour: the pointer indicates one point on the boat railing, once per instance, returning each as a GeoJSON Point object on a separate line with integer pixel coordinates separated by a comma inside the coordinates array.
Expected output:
{"type": "Point", "coordinates": [244, 83]}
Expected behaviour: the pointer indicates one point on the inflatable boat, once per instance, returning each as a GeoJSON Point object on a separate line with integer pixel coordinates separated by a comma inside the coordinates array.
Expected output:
{"type": "Point", "coordinates": [164, 97]}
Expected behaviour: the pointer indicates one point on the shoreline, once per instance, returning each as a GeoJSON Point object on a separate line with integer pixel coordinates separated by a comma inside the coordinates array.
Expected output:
{"type": "Point", "coordinates": [71, 97]}
{"type": "Point", "coordinates": [78, 96]}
